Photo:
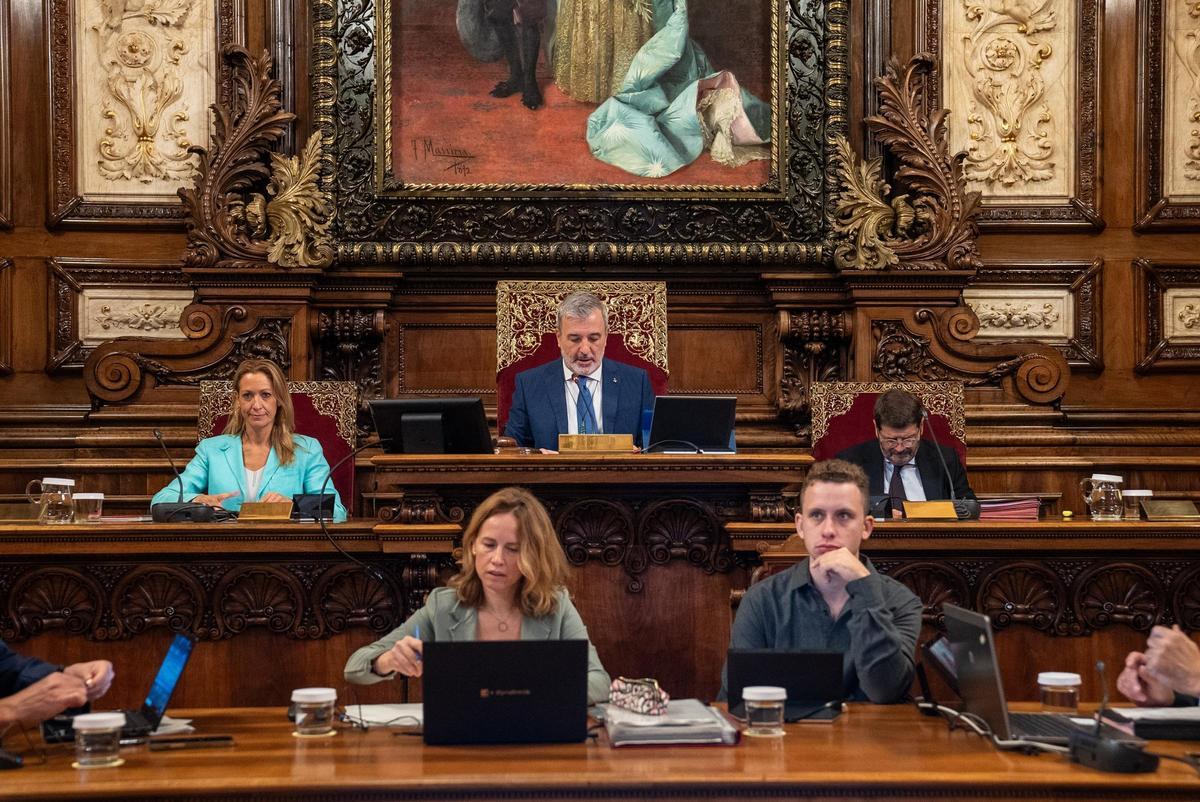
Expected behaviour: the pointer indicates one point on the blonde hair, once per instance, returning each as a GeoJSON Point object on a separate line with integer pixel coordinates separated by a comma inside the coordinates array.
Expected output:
{"type": "Point", "coordinates": [540, 558]}
{"type": "Point", "coordinates": [285, 416]}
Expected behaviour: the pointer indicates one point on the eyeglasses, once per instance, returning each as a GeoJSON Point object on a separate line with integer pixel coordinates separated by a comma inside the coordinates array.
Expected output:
{"type": "Point", "coordinates": [892, 442]}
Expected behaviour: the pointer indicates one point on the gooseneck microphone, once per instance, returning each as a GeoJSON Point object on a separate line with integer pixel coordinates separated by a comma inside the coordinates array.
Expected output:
{"type": "Point", "coordinates": [166, 512]}
{"type": "Point", "coordinates": [1091, 748]}
{"type": "Point", "coordinates": [964, 508]}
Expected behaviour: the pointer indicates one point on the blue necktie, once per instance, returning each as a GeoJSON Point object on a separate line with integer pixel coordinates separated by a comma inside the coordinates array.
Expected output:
{"type": "Point", "coordinates": [585, 414]}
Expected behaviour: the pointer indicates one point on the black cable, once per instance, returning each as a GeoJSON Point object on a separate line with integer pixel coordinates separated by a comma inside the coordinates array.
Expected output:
{"type": "Point", "coordinates": [370, 570]}
{"type": "Point", "coordinates": [650, 448]}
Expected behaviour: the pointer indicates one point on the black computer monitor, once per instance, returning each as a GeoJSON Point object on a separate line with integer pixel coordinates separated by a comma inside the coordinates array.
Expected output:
{"type": "Point", "coordinates": [432, 425]}
{"type": "Point", "coordinates": [692, 423]}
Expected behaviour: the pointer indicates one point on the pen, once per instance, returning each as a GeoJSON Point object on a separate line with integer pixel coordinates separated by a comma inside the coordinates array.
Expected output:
{"type": "Point", "coordinates": [417, 635]}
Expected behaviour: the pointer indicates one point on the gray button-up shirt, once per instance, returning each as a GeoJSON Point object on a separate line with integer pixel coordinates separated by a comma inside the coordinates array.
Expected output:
{"type": "Point", "coordinates": [877, 629]}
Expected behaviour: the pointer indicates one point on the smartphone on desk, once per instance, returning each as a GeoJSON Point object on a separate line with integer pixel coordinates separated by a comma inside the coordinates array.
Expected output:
{"type": "Point", "coordinates": [189, 742]}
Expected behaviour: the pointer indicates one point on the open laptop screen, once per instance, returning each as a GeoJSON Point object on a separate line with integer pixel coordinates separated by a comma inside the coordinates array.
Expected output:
{"type": "Point", "coordinates": [167, 678]}
{"type": "Point", "coordinates": [505, 691]}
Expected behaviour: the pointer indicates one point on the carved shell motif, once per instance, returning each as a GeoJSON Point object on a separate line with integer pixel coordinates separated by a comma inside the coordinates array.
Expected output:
{"type": "Point", "coordinates": [55, 598]}
{"type": "Point", "coordinates": [1121, 594]}
{"type": "Point", "coordinates": [595, 528]}
{"type": "Point", "coordinates": [158, 596]}
{"type": "Point", "coordinates": [348, 597]}
{"type": "Point", "coordinates": [259, 597]}
{"type": "Point", "coordinates": [1022, 593]}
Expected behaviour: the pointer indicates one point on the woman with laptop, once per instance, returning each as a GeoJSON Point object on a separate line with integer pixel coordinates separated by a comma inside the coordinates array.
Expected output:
{"type": "Point", "coordinates": [511, 587]}
{"type": "Point", "coordinates": [260, 457]}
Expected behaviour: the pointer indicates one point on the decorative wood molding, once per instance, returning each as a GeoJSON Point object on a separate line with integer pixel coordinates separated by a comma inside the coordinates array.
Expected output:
{"type": "Point", "coordinates": [217, 340]}
{"type": "Point", "coordinates": [231, 226]}
{"type": "Point", "coordinates": [350, 349]}
{"type": "Point", "coordinates": [70, 205]}
{"type": "Point", "coordinates": [875, 227]}
{"type": "Point", "coordinates": [1080, 208]}
{"type": "Point", "coordinates": [813, 350]}
{"type": "Point", "coordinates": [1160, 341]}
{"type": "Point", "coordinates": [309, 599]}
{"type": "Point", "coordinates": [69, 281]}
{"type": "Point", "coordinates": [931, 344]}
{"type": "Point", "coordinates": [6, 133]}
{"type": "Point", "coordinates": [8, 314]}
{"type": "Point", "coordinates": [1156, 207]}
{"type": "Point", "coordinates": [1083, 344]}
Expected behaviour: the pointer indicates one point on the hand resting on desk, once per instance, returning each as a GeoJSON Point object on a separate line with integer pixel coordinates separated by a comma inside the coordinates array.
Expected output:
{"type": "Point", "coordinates": [214, 501]}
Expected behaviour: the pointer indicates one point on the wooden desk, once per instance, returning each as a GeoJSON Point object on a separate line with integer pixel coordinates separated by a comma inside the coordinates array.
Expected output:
{"type": "Point", "coordinates": [870, 753]}
{"type": "Point", "coordinates": [276, 606]}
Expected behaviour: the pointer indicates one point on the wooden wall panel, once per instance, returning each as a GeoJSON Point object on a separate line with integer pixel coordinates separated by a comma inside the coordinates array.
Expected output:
{"type": "Point", "coordinates": [447, 358]}
{"type": "Point", "coordinates": [727, 358]}
{"type": "Point", "coordinates": [5, 125]}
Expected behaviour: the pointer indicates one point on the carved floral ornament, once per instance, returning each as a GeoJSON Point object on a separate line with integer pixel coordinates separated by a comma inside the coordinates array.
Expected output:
{"type": "Point", "coordinates": [1009, 120]}
{"type": "Point", "coordinates": [931, 224]}
{"type": "Point", "coordinates": [286, 221]}
{"type": "Point", "coordinates": [1187, 49]}
{"type": "Point", "coordinates": [140, 45]}
{"type": "Point", "coordinates": [1015, 315]}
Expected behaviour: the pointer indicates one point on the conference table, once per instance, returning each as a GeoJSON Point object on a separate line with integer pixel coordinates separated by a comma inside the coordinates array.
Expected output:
{"type": "Point", "coordinates": [871, 752]}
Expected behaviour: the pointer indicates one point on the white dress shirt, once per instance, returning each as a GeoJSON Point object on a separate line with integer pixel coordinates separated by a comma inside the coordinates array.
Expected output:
{"type": "Point", "coordinates": [595, 386]}
{"type": "Point", "coordinates": [253, 480]}
{"type": "Point", "coordinates": [909, 475]}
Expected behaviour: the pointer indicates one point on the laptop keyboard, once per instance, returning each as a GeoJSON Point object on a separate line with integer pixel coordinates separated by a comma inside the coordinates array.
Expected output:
{"type": "Point", "coordinates": [1052, 725]}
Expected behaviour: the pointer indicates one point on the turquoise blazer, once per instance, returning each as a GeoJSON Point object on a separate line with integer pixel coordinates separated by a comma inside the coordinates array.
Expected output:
{"type": "Point", "coordinates": [218, 468]}
{"type": "Point", "coordinates": [445, 618]}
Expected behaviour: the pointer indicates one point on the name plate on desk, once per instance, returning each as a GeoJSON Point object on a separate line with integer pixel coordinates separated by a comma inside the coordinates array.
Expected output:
{"type": "Point", "coordinates": [1170, 510]}
{"type": "Point", "coordinates": [266, 511]}
{"type": "Point", "coordinates": [595, 443]}
{"type": "Point", "coordinates": [930, 510]}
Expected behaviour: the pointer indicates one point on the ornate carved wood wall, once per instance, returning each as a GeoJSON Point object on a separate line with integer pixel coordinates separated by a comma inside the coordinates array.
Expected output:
{"type": "Point", "coordinates": [1120, 309]}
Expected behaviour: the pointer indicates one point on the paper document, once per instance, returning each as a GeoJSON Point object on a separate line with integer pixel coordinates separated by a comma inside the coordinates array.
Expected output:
{"type": "Point", "coordinates": [1191, 714]}
{"type": "Point", "coordinates": [410, 714]}
{"type": "Point", "coordinates": [174, 726]}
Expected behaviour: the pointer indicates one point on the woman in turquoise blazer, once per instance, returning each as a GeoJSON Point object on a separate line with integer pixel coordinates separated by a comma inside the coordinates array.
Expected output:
{"type": "Point", "coordinates": [510, 587]}
{"type": "Point", "coordinates": [259, 457]}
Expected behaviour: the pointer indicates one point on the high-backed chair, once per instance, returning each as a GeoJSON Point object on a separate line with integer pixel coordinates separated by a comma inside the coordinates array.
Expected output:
{"type": "Point", "coordinates": [526, 324]}
{"type": "Point", "coordinates": [843, 413]}
{"type": "Point", "coordinates": [326, 411]}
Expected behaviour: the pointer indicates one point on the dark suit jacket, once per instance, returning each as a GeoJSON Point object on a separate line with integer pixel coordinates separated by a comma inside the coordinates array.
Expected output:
{"type": "Point", "coordinates": [868, 457]}
{"type": "Point", "coordinates": [539, 404]}
{"type": "Point", "coordinates": [17, 672]}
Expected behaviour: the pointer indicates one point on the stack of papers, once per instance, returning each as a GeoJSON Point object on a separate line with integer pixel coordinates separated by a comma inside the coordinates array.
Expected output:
{"type": "Point", "coordinates": [687, 721]}
{"type": "Point", "coordinates": [1170, 723]}
{"type": "Point", "coordinates": [1018, 509]}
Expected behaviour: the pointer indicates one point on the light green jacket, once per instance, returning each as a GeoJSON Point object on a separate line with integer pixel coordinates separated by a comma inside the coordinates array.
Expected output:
{"type": "Point", "coordinates": [444, 618]}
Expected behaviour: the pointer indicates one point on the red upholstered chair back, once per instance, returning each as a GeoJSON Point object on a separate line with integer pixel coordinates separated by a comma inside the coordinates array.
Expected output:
{"type": "Point", "coordinates": [326, 411]}
{"type": "Point", "coordinates": [843, 413]}
{"type": "Point", "coordinates": [526, 323]}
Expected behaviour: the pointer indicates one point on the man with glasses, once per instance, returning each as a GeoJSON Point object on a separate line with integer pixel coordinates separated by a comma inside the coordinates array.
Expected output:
{"type": "Point", "coordinates": [898, 463]}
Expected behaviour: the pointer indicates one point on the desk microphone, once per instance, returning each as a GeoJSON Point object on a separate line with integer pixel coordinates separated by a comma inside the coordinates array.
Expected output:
{"type": "Point", "coordinates": [175, 512]}
{"type": "Point", "coordinates": [1107, 754]}
{"type": "Point", "coordinates": [964, 508]}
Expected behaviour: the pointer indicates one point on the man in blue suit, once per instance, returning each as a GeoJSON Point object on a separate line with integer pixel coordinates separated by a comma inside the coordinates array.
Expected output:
{"type": "Point", "coordinates": [583, 393]}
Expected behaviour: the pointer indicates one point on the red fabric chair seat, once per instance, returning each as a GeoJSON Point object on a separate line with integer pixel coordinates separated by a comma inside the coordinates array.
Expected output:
{"type": "Point", "coordinates": [843, 414]}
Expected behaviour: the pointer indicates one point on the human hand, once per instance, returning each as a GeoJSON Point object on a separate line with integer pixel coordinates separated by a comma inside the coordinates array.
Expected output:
{"type": "Point", "coordinates": [44, 699]}
{"type": "Point", "coordinates": [404, 657]}
{"type": "Point", "coordinates": [274, 497]}
{"type": "Point", "coordinates": [97, 676]}
{"type": "Point", "coordinates": [1140, 688]}
{"type": "Point", "coordinates": [546, 451]}
{"type": "Point", "coordinates": [215, 501]}
{"type": "Point", "coordinates": [837, 566]}
{"type": "Point", "coordinates": [1173, 659]}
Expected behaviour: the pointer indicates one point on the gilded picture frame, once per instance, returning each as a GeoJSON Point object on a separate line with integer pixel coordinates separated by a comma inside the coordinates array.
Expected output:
{"type": "Point", "coordinates": [385, 215]}
{"type": "Point", "coordinates": [1160, 204]}
{"type": "Point", "coordinates": [1015, 153]}
{"type": "Point", "coordinates": [137, 127]}
{"type": "Point", "coordinates": [6, 134]}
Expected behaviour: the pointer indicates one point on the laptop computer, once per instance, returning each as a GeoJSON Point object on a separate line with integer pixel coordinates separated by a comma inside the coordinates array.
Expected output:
{"type": "Point", "coordinates": [812, 679]}
{"type": "Point", "coordinates": [499, 692]}
{"type": "Point", "coordinates": [690, 424]}
{"type": "Point", "coordinates": [138, 723]}
{"type": "Point", "coordinates": [977, 674]}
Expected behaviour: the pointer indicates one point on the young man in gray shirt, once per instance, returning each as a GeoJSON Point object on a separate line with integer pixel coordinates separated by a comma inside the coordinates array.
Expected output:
{"type": "Point", "coordinates": [834, 599]}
